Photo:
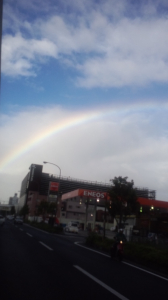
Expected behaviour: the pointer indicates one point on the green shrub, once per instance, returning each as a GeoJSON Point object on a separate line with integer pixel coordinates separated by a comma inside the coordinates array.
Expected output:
{"type": "Point", "coordinates": [46, 227]}
{"type": "Point", "coordinates": [95, 240]}
{"type": "Point", "coordinates": [145, 254]}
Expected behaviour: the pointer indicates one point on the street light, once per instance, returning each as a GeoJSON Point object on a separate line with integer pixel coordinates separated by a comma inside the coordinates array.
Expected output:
{"type": "Point", "coordinates": [46, 162]}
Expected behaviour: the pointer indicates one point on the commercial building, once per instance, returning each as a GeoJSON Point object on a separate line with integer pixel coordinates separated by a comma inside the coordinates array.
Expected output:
{"type": "Point", "coordinates": [37, 181]}
{"type": "Point", "coordinates": [38, 186]}
{"type": "Point", "coordinates": [13, 200]}
{"type": "Point", "coordinates": [86, 207]}
{"type": "Point", "coordinates": [153, 215]}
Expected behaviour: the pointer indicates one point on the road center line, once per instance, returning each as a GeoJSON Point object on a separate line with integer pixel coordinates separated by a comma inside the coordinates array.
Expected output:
{"type": "Point", "coordinates": [154, 274]}
{"type": "Point", "coordinates": [102, 284]}
{"type": "Point", "coordinates": [46, 246]}
{"type": "Point", "coordinates": [29, 234]}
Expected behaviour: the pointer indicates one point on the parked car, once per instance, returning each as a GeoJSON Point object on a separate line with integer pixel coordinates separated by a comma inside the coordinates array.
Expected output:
{"type": "Point", "coordinates": [151, 236]}
{"type": "Point", "coordinates": [113, 228]}
{"type": "Point", "coordinates": [2, 220]}
{"type": "Point", "coordinates": [10, 217]}
{"type": "Point", "coordinates": [18, 220]}
{"type": "Point", "coordinates": [72, 227]}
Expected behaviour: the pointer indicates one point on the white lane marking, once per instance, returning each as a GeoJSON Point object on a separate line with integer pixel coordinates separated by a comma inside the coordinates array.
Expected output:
{"type": "Point", "coordinates": [29, 234]}
{"type": "Point", "coordinates": [145, 271]}
{"type": "Point", "coordinates": [46, 246]}
{"type": "Point", "coordinates": [102, 284]}
{"type": "Point", "coordinates": [77, 243]}
{"type": "Point", "coordinates": [154, 274]}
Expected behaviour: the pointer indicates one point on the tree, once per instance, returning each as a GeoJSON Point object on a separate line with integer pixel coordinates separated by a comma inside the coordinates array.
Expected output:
{"type": "Point", "coordinates": [46, 207]}
{"type": "Point", "coordinates": [123, 199]}
{"type": "Point", "coordinates": [24, 210]}
{"type": "Point", "coordinates": [52, 208]}
{"type": "Point", "coordinates": [43, 208]}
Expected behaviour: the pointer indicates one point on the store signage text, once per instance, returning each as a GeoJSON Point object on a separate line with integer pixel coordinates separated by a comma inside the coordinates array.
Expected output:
{"type": "Point", "coordinates": [94, 194]}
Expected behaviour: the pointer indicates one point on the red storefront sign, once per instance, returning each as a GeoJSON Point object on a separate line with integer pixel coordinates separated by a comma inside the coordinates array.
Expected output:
{"type": "Point", "coordinates": [54, 186]}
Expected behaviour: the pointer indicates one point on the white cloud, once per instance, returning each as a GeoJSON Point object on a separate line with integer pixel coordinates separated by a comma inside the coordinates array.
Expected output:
{"type": "Point", "coordinates": [109, 45]}
{"type": "Point", "coordinates": [20, 55]}
{"type": "Point", "coordinates": [135, 53]}
{"type": "Point", "coordinates": [130, 144]}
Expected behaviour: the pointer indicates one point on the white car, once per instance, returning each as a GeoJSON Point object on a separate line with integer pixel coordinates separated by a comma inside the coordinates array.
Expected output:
{"type": "Point", "coordinates": [2, 220]}
{"type": "Point", "coordinates": [72, 227]}
{"type": "Point", "coordinates": [112, 228]}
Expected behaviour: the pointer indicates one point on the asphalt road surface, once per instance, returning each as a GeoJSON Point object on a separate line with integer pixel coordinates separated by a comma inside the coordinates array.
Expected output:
{"type": "Point", "coordinates": [37, 265]}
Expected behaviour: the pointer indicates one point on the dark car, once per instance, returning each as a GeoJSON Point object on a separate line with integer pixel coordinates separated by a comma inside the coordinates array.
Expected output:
{"type": "Point", "coordinates": [18, 220]}
{"type": "Point", "coordinates": [2, 220]}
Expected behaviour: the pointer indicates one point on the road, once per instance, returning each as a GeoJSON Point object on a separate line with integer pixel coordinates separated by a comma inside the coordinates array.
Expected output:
{"type": "Point", "coordinates": [38, 265]}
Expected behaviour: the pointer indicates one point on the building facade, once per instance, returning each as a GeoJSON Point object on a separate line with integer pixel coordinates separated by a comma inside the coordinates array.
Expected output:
{"type": "Point", "coordinates": [14, 200]}
{"type": "Point", "coordinates": [86, 207]}
{"type": "Point", "coordinates": [152, 216]}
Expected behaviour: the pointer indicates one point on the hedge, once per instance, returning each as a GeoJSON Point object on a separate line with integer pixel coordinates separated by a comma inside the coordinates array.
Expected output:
{"type": "Point", "coordinates": [46, 227]}
{"type": "Point", "coordinates": [147, 255]}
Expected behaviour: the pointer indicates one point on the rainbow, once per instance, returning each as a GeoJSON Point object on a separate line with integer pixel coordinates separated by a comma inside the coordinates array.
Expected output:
{"type": "Point", "coordinates": [76, 120]}
{"type": "Point", "coordinates": [52, 130]}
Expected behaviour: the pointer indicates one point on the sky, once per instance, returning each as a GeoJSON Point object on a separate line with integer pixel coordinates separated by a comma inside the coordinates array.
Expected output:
{"type": "Point", "coordinates": [84, 85]}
